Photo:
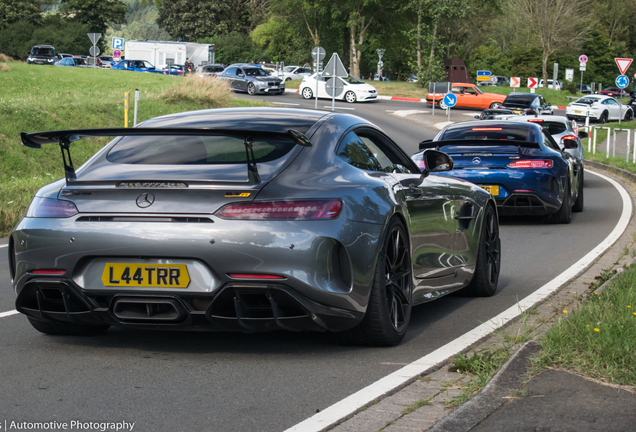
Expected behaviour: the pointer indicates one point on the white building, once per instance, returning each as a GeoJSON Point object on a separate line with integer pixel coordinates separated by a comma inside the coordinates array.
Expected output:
{"type": "Point", "coordinates": [159, 53]}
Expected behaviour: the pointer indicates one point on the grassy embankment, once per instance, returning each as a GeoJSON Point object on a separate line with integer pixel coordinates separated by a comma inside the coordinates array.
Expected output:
{"type": "Point", "coordinates": [599, 338]}
{"type": "Point", "coordinates": [37, 98]}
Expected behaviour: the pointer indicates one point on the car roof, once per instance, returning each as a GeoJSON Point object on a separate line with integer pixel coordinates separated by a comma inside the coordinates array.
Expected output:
{"type": "Point", "coordinates": [43, 46]}
{"type": "Point", "coordinates": [547, 118]}
{"type": "Point", "coordinates": [534, 130]}
{"type": "Point", "coordinates": [262, 118]}
{"type": "Point", "coordinates": [523, 96]}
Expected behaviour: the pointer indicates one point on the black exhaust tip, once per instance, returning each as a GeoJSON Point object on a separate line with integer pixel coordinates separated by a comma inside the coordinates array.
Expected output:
{"type": "Point", "coordinates": [144, 309]}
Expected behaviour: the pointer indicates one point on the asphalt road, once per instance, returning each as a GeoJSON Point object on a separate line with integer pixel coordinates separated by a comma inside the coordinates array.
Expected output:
{"type": "Point", "coordinates": [266, 382]}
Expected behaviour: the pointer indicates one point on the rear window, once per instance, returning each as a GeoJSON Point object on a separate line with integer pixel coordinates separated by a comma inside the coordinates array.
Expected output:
{"type": "Point", "coordinates": [196, 150]}
{"type": "Point", "coordinates": [554, 128]}
{"type": "Point", "coordinates": [516, 133]}
{"type": "Point", "coordinates": [521, 101]}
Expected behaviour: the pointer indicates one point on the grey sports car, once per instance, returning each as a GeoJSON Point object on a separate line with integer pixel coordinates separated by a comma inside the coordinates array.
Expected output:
{"type": "Point", "coordinates": [249, 220]}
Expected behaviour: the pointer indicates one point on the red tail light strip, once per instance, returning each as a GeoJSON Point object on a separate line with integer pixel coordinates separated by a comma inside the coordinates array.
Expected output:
{"type": "Point", "coordinates": [49, 272]}
{"type": "Point", "coordinates": [286, 210]}
{"type": "Point", "coordinates": [487, 128]}
{"type": "Point", "coordinates": [253, 276]}
{"type": "Point", "coordinates": [532, 164]}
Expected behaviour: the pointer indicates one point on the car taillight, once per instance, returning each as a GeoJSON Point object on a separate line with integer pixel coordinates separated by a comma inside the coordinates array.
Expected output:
{"type": "Point", "coordinates": [253, 276]}
{"type": "Point", "coordinates": [570, 137]}
{"type": "Point", "coordinates": [283, 210]}
{"type": "Point", "coordinates": [487, 128]}
{"type": "Point", "coordinates": [536, 121]}
{"type": "Point", "coordinates": [531, 164]}
{"type": "Point", "coordinates": [51, 208]}
{"type": "Point", "coordinates": [51, 272]}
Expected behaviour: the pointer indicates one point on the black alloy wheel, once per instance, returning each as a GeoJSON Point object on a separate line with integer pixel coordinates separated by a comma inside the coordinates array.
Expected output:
{"type": "Point", "coordinates": [628, 115]}
{"type": "Point", "coordinates": [488, 266]}
{"type": "Point", "coordinates": [603, 118]}
{"type": "Point", "coordinates": [389, 309]}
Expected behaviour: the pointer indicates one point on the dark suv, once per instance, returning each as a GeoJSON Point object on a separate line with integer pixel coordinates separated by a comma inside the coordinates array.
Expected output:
{"type": "Point", "coordinates": [42, 54]}
{"type": "Point", "coordinates": [526, 103]}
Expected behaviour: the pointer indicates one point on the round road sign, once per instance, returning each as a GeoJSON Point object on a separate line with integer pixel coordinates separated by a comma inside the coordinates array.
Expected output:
{"type": "Point", "coordinates": [94, 51]}
{"type": "Point", "coordinates": [583, 58]}
{"type": "Point", "coordinates": [318, 53]}
{"type": "Point", "coordinates": [622, 81]}
{"type": "Point", "coordinates": [117, 53]}
{"type": "Point", "coordinates": [334, 86]}
{"type": "Point", "coordinates": [450, 100]}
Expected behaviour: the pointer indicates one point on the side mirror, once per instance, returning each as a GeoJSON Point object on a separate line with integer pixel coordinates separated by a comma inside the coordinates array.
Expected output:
{"type": "Point", "coordinates": [435, 161]}
{"type": "Point", "coordinates": [583, 134]}
{"type": "Point", "coordinates": [569, 144]}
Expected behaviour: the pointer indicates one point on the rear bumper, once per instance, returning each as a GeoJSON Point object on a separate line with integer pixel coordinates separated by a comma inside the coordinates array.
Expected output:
{"type": "Point", "coordinates": [245, 307]}
{"type": "Point", "coordinates": [524, 204]}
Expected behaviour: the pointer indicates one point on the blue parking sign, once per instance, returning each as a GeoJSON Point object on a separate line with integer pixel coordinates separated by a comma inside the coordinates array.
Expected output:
{"type": "Point", "coordinates": [118, 43]}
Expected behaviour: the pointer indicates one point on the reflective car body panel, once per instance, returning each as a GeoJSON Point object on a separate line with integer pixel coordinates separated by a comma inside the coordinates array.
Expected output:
{"type": "Point", "coordinates": [151, 215]}
{"type": "Point", "coordinates": [363, 92]}
{"type": "Point", "coordinates": [253, 80]}
{"type": "Point", "coordinates": [469, 96]}
{"type": "Point", "coordinates": [598, 108]}
{"type": "Point", "coordinates": [136, 66]}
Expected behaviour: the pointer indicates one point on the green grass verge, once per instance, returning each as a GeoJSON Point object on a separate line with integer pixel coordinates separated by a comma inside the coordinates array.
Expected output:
{"type": "Point", "coordinates": [37, 98]}
{"type": "Point", "coordinates": [599, 338]}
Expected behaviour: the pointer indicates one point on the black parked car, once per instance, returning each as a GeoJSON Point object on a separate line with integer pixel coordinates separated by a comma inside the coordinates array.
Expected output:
{"type": "Point", "coordinates": [526, 104]}
{"type": "Point", "coordinates": [42, 54]}
{"type": "Point", "coordinates": [252, 80]}
{"type": "Point", "coordinates": [491, 113]}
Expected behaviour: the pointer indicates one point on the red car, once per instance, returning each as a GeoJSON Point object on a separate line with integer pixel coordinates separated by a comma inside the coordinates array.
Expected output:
{"type": "Point", "coordinates": [615, 92]}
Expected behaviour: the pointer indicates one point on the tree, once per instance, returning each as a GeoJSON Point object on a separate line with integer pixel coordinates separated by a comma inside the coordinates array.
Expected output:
{"type": "Point", "coordinates": [12, 11]}
{"type": "Point", "coordinates": [96, 14]}
{"type": "Point", "coordinates": [555, 23]}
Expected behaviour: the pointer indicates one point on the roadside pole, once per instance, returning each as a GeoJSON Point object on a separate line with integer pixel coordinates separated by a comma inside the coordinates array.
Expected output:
{"type": "Point", "coordinates": [137, 99]}
{"type": "Point", "coordinates": [432, 97]}
{"type": "Point", "coordinates": [448, 107]}
{"type": "Point", "coordinates": [126, 98]}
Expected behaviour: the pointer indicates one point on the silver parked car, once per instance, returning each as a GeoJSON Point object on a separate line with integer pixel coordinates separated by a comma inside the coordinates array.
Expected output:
{"type": "Point", "coordinates": [249, 219]}
{"type": "Point", "coordinates": [252, 80]}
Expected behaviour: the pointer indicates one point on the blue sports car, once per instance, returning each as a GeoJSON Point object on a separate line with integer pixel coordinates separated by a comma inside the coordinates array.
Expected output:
{"type": "Point", "coordinates": [519, 163]}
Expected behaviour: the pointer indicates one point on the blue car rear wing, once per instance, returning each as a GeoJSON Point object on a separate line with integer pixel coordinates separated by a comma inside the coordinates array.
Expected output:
{"type": "Point", "coordinates": [65, 137]}
{"type": "Point", "coordinates": [428, 144]}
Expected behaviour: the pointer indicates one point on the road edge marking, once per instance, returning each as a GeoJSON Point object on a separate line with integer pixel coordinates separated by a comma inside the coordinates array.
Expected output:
{"type": "Point", "coordinates": [333, 414]}
{"type": "Point", "coordinates": [9, 313]}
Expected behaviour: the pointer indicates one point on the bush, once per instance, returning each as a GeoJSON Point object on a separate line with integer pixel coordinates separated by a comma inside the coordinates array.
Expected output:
{"type": "Point", "coordinates": [207, 91]}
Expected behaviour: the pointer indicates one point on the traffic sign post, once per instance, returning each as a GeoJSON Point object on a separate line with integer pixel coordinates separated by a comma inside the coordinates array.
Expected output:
{"type": "Point", "coordinates": [532, 84]}
{"type": "Point", "coordinates": [450, 100]}
{"type": "Point", "coordinates": [623, 64]}
{"type": "Point", "coordinates": [621, 82]}
{"type": "Point", "coordinates": [583, 58]}
{"type": "Point", "coordinates": [515, 82]}
{"type": "Point", "coordinates": [318, 54]}
{"type": "Point", "coordinates": [118, 43]}
{"type": "Point", "coordinates": [117, 54]}
{"type": "Point", "coordinates": [334, 69]}
{"type": "Point", "coordinates": [582, 64]}
{"type": "Point", "coordinates": [94, 50]}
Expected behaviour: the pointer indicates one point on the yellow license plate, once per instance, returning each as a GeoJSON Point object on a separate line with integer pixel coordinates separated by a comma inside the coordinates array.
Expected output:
{"type": "Point", "coordinates": [494, 190]}
{"type": "Point", "coordinates": [516, 111]}
{"type": "Point", "coordinates": [577, 112]}
{"type": "Point", "coordinates": [146, 275]}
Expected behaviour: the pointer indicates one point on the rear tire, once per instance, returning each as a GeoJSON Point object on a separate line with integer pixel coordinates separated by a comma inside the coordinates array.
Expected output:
{"type": "Point", "coordinates": [628, 115]}
{"type": "Point", "coordinates": [488, 266]}
{"type": "Point", "coordinates": [603, 118]}
{"type": "Point", "coordinates": [389, 309]}
{"type": "Point", "coordinates": [564, 215]}
{"type": "Point", "coordinates": [441, 104]}
{"type": "Point", "coordinates": [58, 328]}
{"type": "Point", "coordinates": [578, 204]}
{"type": "Point", "coordinates": [495, 105]}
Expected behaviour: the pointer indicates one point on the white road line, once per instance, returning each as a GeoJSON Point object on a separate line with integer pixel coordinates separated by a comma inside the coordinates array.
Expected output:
{"type": "Point", "coordinates": [285, 103]}
{"type": "Point", "coordinates": [333, 414]}
{"type": "Point", "coordinates": [329, 106]}
{"type": "Point", "coordinates": [4, 246]}
{"type": "Point", "coordinates": [6, 314]}
{"type": "Point", "coordinates": [404, 113]}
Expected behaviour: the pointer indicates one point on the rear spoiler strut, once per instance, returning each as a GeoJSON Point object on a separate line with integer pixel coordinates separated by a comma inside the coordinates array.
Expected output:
{"type": "Point", "coordinates": [65, 137]}
{"type": "Point", "coordinates": [428, 144]}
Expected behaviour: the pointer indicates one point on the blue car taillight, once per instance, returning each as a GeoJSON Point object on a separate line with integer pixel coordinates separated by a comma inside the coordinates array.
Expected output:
{"type": "Point", "coordinates": [51, 208]}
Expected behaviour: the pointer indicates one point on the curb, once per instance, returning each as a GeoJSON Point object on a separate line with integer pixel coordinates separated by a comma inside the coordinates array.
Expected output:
{"type": "Point", "coordinates": [509, 378]}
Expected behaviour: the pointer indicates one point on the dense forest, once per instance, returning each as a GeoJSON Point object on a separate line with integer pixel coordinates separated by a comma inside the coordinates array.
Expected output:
{"type": "Point", "coordinates": [508, 37]}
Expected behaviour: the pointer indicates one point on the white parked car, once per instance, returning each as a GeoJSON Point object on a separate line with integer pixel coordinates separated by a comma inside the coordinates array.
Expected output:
{"type": "Point", "coordinates": [600, 108]}
{"type": "Point", "coordinates": [551, 85]}
{"type": "Point", "coordinates": [293, 72]}
{"type": "Point", "coordinates": [353, 89]}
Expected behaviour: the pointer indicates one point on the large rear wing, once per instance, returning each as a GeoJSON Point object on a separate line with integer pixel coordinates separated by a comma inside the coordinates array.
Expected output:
{"type": "Point", "coordinates": [65, 137]}
{"type": "Point", "coordinates": [429, 144]}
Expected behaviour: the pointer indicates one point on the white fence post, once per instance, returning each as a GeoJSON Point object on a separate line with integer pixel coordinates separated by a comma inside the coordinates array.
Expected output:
{"type": "Point", "coordinates": [628, 141]}
{"type": "Point", "coordinates": [594, 140]}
